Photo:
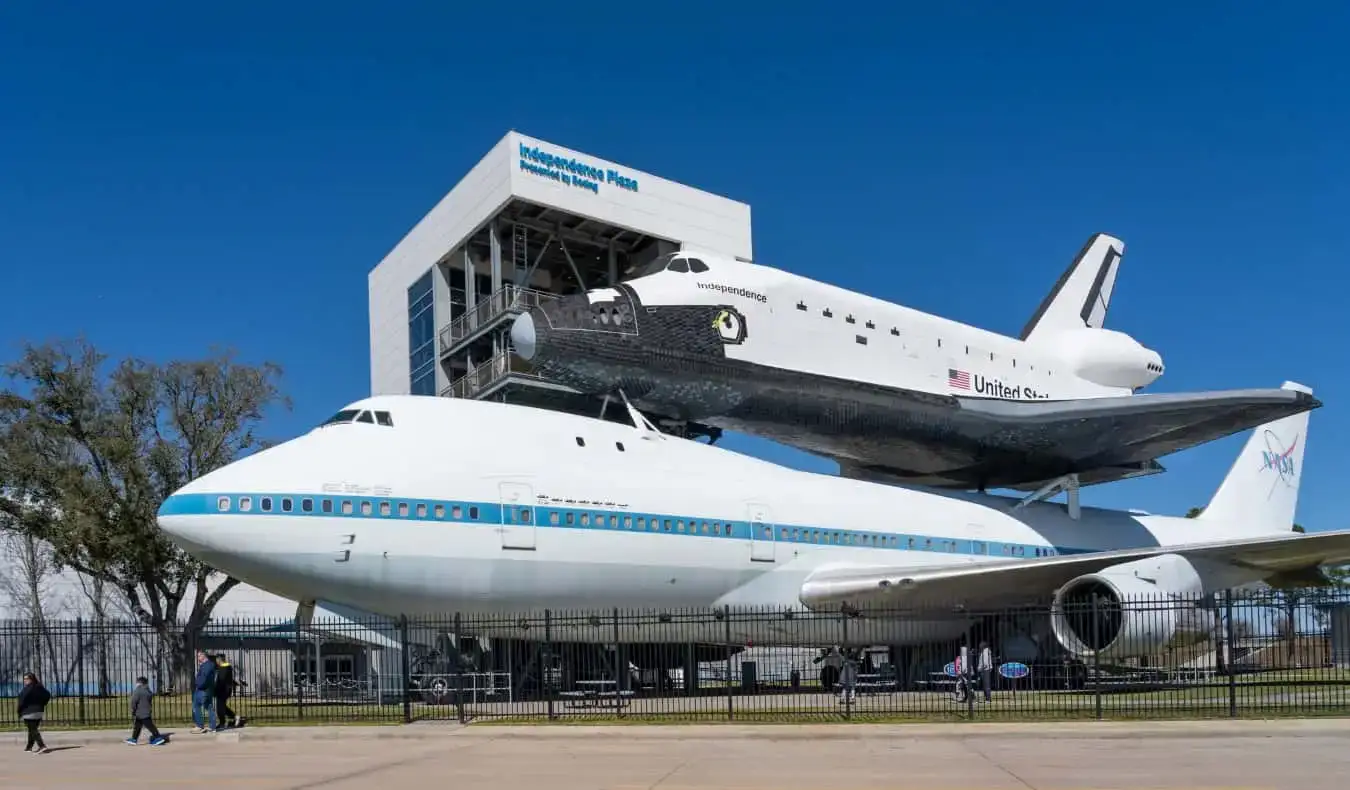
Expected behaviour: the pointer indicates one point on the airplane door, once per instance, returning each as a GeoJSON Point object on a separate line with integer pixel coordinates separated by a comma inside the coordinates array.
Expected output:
{"type": "Point", "coordinates": [517, 516]}
{"type": "Point", "coordinates": [762, 546]}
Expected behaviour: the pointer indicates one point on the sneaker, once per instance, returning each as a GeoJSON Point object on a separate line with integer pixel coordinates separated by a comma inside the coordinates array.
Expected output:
{"type": "Point", "coordinates": [158, 741]}
{"type": "Point", "coordinates": [130, 742]}
{"type": "Point", "coordinates": [198, 730]}
{"type": "Point", "coordinates": [43, 750]}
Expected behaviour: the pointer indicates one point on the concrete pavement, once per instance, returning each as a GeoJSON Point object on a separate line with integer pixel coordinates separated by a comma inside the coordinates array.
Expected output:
{"type": "Point", "coordinates": [1208, 755]}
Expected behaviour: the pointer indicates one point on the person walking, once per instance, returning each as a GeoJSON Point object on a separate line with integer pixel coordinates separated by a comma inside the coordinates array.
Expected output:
{"type": "Point", "coordinates": [986, 666]}
{"type": "Point", "coordinates": [203, 694]}
{"type": "Point", "coordinates": [33, 701]}
{"type": "Point", "coordinates": [226, 684]}
{"type": "Point", "coordinates": [141, 715]}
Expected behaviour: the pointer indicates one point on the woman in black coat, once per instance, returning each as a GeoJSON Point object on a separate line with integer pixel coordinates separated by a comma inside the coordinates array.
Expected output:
{"type": "Point", "coordinates": [32, 707]}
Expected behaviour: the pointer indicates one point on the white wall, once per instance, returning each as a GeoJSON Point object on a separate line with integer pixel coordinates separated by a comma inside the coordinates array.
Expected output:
{"type": "Point", "coordinates": [63, 597]}
{"type": "Point", "coordinates": [657, 207]}
{"type": "Point", "coordinates": [481, 193]}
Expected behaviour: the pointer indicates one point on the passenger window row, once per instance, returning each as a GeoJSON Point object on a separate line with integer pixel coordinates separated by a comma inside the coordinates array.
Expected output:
{"type": "Point", "coordinates": [895, 332]}
{"type": "Point", "coordinates": [346, 507]}
{"type": "Point", "coordinates": [639, 523]}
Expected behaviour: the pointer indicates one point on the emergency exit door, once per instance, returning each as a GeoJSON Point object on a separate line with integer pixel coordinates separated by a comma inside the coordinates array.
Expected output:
{"type": "Point", "coordinates": [517, 516]}
{"type": "Point", "coordinates": [762, 545]}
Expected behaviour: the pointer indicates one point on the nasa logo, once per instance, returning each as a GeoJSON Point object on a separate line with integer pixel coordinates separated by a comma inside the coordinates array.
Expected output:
{"type": "Point", "coordinates": [730, 326]}
{"type": "Point", "coordinates": [1279, 458]}
{"type": "Point", "coordinates": [1014, 670]}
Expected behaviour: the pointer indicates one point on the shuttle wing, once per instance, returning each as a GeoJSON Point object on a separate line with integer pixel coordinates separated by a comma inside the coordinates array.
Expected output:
{"type": "Point", "coordinates": [997, 583]}
{"type": "Point", "coordinates": [1096, 433]}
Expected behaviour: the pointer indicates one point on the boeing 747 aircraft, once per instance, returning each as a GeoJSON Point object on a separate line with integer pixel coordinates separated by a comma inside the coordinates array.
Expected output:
{"type": "Point", "coordinates": [891, 393]}
{"type": "Point", "coordinates": [385, 509]}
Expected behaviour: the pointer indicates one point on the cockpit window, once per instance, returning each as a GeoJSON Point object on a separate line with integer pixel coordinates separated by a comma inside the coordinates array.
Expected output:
{"type": "Point", "coordinates": [657, 264]}
{"type": "Point", "coordinates": [345, 415]}
{"type": "Point", "coordinates": [365, 417]}
{"type": "Point", "coordinates": [697, 266]}
{"type": "Point", "coordinates": [679, 265]}
{"type": "Point", "coordinates": [383, 418]}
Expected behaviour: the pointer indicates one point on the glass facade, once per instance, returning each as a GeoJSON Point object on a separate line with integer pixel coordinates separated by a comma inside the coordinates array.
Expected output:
{"type": "Point", "coordinates": [422, 336]}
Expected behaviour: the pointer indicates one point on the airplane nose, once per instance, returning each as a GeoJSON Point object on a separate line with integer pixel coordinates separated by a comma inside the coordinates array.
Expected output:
{"type": "Point", "coordinates": [181, 518]}
{"type": "Point", "coordinates": [523, 337]}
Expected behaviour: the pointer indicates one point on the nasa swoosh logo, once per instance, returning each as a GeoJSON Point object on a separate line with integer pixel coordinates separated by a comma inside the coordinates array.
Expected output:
{"type": "Point", "coordinates": [1279, 459]}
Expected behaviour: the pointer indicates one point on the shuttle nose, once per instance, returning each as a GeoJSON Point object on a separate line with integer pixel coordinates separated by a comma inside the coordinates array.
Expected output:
{"type": "Point", "coordinates": [523, 337]}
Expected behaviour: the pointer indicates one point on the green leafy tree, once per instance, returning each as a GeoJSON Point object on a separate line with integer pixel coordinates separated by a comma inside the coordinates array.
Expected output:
{"type": "Point", "coordinates": [88, 454]}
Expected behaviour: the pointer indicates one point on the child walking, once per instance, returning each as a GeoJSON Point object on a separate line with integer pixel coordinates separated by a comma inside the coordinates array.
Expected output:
{"type": "Point", "coordinates": [141, 716]}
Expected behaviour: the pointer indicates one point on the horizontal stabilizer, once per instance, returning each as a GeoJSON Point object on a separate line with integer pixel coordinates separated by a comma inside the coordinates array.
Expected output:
{"type": "Point", "coordinates": [1083, 294]}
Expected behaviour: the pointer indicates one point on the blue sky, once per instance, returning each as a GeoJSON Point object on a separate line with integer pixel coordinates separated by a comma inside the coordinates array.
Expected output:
{"type": "Point", "coordinates": [174, 178]}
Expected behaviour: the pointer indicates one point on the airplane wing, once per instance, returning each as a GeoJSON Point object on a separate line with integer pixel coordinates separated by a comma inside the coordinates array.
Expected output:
{"type": "Point", "coordinates": [1005, 582]}
{"type": "Point", "coordinates": [1096, 433]}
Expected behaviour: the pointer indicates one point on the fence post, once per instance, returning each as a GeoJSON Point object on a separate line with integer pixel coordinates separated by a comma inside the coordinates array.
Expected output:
{"type": "Point", "coordinates": [1097, 657]}
{"type": "Point", "coordinates": [545, 658]}
{"type": "Point", "coordinates": [79, 659]}
{"type": "Point", "coordinates": [1230, 639]}
{"type": "Point", "coordinates": [847, 688]}
{"type": "Point", "coordinates": [618, 663]}
{"type": "Point", "coordinates": [406, 669]}
{"type": "Point", "coordinates": [731, 702]}
{"type": "Point", "coordinates": [302, 662]}
{"type": "Point", "coordinates": [459, 673]}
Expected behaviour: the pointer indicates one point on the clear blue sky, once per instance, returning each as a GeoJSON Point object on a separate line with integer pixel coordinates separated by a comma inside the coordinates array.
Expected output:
{"type": "Point", "coordinates": [173, 178]}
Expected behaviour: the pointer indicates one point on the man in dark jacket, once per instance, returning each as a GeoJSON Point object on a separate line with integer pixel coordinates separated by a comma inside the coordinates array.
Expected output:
{"type": "Point", "coordinates": [226, 683]}
{"type": "Point", "coordinates": [203, 693]}
{"type": "Point", "coordinates": [141, 700]}
{"type": "Point", "coordinates": [32, 708]}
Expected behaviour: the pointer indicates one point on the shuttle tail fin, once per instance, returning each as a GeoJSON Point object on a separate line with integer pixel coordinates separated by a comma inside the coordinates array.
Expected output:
{"type": "Point", "coordinates": [1083, 293]}
{"type": "Point", "coordinates": [1262, 485]}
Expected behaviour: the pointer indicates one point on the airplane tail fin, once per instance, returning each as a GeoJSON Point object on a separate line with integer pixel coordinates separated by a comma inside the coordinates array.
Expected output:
{"type": "Point", "coordinates": [1083, 293]}
{"type": "Point", "coordinates": [1262, 486]}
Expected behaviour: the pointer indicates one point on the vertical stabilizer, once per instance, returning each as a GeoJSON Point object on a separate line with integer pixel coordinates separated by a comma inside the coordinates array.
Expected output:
{"type": "Point", "coordinates": [1262, 486]}
{"type": "Point", "coordinates": [1083, 294]}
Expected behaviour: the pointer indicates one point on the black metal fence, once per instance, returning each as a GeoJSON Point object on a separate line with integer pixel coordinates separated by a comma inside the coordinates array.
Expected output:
{"type": "Point", "coordinates": [1272, 654]}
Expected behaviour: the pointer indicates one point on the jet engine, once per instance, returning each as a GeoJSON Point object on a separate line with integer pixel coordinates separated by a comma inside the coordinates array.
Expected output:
{"type": "Point", "coordinates": [1132, 609]}
{"type": "Point", "coordinates": [1108, 358]}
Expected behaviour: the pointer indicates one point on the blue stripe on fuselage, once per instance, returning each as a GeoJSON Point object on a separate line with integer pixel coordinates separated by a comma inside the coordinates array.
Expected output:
{"type": "Point", "coordinates": [592, 518]}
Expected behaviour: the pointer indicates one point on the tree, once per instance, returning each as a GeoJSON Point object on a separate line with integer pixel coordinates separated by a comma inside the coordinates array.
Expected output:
{"type": "Point", "coordinates": [94, 454]}
{"type": "Point", "coordinates": [27, 583]}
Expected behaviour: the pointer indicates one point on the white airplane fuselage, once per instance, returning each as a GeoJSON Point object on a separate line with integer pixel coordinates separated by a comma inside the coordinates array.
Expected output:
{"type": "Point", "coordinates": [482, 508]}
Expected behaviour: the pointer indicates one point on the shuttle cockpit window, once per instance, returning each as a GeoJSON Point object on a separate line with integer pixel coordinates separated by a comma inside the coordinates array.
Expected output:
{"type": "Point", "coordinates": [680, 265]}
{"type": "Point", "coordinates": [365, 417]}
{"type": "Point", "coordinates": [383, 418]}
{"type": "Point", "coordinates": [697, 266]}
{"type": "Point", "coordinates": [657, 264]}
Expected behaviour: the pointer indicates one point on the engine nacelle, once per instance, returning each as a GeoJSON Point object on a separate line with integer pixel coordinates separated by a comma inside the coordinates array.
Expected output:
{"type": "Point", "coordinates": [1108, 358]}
{"type": "Point", "coordinates": [1133, 609]}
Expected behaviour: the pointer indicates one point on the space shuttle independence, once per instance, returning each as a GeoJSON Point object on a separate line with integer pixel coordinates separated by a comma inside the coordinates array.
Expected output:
{"type": "Point", "coordinates": [891, 393]}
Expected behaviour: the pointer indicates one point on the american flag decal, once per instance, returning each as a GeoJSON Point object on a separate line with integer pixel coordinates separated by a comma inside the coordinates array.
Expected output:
{"type": "Point", "coordinates": [959, 379]}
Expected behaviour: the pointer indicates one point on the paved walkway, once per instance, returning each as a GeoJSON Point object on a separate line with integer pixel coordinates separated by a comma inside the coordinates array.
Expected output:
{"type": "Point", "coordinates": [1099, 755]}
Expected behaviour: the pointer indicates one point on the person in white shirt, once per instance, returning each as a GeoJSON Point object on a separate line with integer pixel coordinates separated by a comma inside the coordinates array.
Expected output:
{"type": "Point", "coordinates": [986, 668]}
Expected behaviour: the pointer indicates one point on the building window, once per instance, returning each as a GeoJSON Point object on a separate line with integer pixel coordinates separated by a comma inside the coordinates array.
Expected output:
{"type": "Point", "coordinates": [422, 336]}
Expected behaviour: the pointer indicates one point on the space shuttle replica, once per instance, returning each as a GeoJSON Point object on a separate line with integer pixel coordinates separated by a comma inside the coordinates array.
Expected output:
{"type": "Point", "coordinates": [893, 394]}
